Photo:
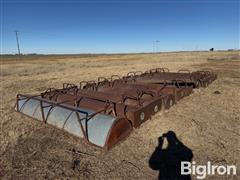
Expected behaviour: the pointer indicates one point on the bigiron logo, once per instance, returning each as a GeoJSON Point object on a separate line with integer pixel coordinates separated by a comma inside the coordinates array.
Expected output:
{"type": "Point", "coordinates": [202, 171]}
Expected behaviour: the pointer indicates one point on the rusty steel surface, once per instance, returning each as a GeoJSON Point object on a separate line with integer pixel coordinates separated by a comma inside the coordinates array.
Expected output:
{"type": "Point", "coordinates": [136, 106]}
{"type": "Point", "coordinates": [161, 75]}
{"type": "Point", "coordinates": [105, 111]}
{"type": "Point", "coordinates": [155, 89]}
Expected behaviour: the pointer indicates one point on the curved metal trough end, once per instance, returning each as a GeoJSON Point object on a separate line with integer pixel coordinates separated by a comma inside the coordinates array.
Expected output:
{"type": "Point", "coordinates": [98, 129]}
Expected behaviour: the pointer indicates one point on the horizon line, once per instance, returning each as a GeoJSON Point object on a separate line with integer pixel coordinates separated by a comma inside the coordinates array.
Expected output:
{"type": "Point", "coordinates": [107, 53]}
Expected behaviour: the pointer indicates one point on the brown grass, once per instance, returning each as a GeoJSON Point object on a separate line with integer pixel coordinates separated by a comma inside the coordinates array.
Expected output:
{"type": "Point", "coordinates": [207, 123]}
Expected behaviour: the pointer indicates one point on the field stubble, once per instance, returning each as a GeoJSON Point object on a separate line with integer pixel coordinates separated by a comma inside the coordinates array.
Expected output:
{"type": "Point", "coordinates": [206, 122]}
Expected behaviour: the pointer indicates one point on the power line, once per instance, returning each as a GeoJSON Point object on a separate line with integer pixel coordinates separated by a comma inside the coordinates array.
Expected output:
{"type": "Point", "coordinates": [16, 32]}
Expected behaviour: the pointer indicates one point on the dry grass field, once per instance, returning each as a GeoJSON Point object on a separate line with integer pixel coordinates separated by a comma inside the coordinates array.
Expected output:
{"type": "Point", "coordinates": [206, 122]}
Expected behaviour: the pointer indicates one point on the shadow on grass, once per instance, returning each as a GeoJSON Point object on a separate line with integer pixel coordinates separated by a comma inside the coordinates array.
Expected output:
{"type": "Point", "coordinates": [168, 160]}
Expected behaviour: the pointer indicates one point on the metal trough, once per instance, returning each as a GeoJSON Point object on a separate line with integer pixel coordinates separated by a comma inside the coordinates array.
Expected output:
{"type": "Point", "coordinates": [96, 128]}
{"type": "Point", "coordinates": [136, 106]}
{"type": "Point", "coordinates": [176, 90]}
{"type": "Point", "coordinates": [162, 75]}
{"type": "Point", "coordinates": [103, 113]}
{"type": "Point", "coordinates": [172, 93]}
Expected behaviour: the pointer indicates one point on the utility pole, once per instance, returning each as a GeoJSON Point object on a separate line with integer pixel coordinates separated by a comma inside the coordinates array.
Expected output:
{"type": "Point", "coordinates": [16, 32]}
{"type": "Point", "coordinates": [153, 47]}
{"type": "Point", "coordinates": [157, 41]}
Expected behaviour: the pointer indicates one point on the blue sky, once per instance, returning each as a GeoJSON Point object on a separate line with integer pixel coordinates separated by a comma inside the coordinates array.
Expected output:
{"type": "Point", "coordinates": [114, 26]}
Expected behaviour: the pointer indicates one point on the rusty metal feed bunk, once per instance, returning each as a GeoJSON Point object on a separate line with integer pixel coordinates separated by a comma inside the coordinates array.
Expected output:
{"type": "Point", "coordinates": [105, 111]}
{"type": "Point", "coordinates": [129, 105]}
{"type": "Point", "coordinates": [162, 75]}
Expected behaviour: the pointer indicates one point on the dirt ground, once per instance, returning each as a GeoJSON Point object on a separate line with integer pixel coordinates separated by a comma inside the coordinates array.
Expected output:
{"type": "Point", "coordinates": [206, 122]}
